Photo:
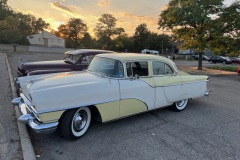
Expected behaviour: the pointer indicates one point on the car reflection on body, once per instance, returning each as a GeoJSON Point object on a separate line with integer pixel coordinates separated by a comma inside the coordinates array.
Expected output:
{"type": "Point", "coordinates": [114, 86]}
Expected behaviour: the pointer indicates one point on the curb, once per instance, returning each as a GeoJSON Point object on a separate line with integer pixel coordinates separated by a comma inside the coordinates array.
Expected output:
{"type": "Point", "coordinates": [26, 144]}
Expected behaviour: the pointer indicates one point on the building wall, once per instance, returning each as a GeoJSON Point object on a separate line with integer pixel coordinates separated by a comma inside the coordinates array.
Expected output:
{"type": "Point", "coordinates": [46, 39]}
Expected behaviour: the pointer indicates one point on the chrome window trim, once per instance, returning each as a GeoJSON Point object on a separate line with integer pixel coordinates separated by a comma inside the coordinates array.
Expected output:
{"type": "Point", "coordinates": [125, 66]}
{"type": "Point", "coordinates": [124, 70]}
{"type": "Point", "coordinates": [175, 72]}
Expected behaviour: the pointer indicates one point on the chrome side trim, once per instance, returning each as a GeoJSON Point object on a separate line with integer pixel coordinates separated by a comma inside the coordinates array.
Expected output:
{"type": "Point", "coordinates": [183, 83]}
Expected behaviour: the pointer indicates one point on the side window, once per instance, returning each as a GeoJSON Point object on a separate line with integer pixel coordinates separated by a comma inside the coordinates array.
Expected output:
{"type": "Point", "coordinates": [87, 59]}
{"type": "Point", "coordinates": [139, 68]}
{"type": "Point", "coordinates": [90, 58]}
{"type": "Point", "coordinates": [160, 68]}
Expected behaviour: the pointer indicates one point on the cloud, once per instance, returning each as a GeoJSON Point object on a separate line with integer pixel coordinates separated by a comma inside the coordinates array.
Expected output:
{"type": "Point", "coordinates": [61, 5]}
{"type": "Point", "coordinates": [104, 3]}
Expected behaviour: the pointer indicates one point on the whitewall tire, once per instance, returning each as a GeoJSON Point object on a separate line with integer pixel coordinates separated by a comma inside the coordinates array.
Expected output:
{"type": "Point", "coordinates": [75, 123]}
{"type": "Point", "coordinates": [180, 105]}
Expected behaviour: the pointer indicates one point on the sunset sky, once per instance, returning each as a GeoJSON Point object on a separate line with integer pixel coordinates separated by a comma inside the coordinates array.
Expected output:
{"type": "Point", "coordinates": [129, 13]}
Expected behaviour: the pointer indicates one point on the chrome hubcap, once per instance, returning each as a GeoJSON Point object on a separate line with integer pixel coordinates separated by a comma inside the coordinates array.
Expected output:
{"type": "Point", "coordinates": [180, 103]}
{"type": "Point", "coordinates": [80, 121]}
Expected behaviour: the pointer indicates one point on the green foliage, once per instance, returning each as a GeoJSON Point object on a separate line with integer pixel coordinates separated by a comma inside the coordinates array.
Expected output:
{"type": "Point", "coordinates": [9, 31]}
{"type": "Point", "coordinates": [88, 42]}
{"type": "Point", "coordinates": [73, 32]}
{"type": "Point", "coordinates": [225, 68]}
{"type": "Point", "coordinates": [159, 42]}
{"type": "Point", "coordinates": [15, 27]}
{"type": "Point", "coordinates": [202, 24]}
{"type": "Point", "coordinates": [106, 29]}
{"type": "Point", "coordinates": [140, 37]}
{"type": "Point", "coordinates": [123, 43]}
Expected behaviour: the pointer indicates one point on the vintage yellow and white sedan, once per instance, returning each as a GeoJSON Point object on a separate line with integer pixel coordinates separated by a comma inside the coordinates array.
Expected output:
{"type": "Point", "coordinates": [114, 86]}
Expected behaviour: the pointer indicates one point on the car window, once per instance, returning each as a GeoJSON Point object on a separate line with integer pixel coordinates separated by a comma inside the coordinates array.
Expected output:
{"type": "Point", "coordinates": [140, 68]}
{"type": "Point", "coordinates": [72, 58]}
{"type": "Point", "coordinates": [87, 59]}
{"type": "Point", "coordinates": [107, 67]}
{"type": "Point", "coordinates": [161, 68]}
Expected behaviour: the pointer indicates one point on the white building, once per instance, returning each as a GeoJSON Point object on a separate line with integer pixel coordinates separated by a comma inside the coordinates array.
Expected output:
{"type": "Point", "coordinates": [46, 39]}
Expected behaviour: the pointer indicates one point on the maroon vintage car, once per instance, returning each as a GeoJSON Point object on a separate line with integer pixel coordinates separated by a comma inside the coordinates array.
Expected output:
{"type": "Point", "coordinates": [75, 60]}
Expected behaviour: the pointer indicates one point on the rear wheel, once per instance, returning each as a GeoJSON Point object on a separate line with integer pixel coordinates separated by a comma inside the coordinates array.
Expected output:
{"type": "Point", "coordinates": [180, 105]}
{"type": "Point", "coordinates": [75, 123]}
{"type": "Point", "coordinates": [224, 62]}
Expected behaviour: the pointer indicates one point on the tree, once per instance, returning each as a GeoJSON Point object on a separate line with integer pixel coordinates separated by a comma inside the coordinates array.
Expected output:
{"type": "Point", "coordinates": [106, 29]}
{"type": "Point", "coordinates": [140, 37]}
{"type": "Point", "coordinates": [5, 10]}
{"type": "Point", "coordinates": [123, 43]}
{"type": "Point", "coordinates": [191, 21]}
{"type": "Point", "coordinates": [73, 31]}
{"type": "Point", "coordinates": [227, 30]}
{"type": "Point", "coordinates": [29, 25]}
{"type": "Point", "coordinates": [9, 31]}
{"type": "Point", "coordinates": [24, 25]}
{"type": "Point", "coordinates": [88, 41]}
{"type": "Point", "coordinates": [158, 42]}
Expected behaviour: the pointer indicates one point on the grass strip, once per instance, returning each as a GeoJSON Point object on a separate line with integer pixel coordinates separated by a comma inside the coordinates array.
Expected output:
{"type": "Point", "coordinates": [225, 68]}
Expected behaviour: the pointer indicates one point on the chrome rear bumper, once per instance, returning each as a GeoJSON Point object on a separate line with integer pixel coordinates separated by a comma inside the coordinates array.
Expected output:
{"type": "Point", "coordinates": [29, 118]}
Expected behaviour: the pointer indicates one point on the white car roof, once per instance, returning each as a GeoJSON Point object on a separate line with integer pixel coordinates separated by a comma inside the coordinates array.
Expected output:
{"type": "Point", "coordinates": [86, 51]}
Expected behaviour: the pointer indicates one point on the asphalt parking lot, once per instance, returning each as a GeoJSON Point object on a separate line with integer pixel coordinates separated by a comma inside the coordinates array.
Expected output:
{"type": "Point", "coordinates": [209, 128]}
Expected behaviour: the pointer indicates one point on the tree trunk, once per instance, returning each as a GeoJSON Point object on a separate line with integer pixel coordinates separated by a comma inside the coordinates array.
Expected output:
{"type": "Point", "coordinates": [200, 60]}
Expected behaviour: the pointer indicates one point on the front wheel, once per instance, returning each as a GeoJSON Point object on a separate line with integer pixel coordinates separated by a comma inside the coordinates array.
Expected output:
{"type": "Point", "coordinates": [180, 105]}
{"type": "Point", "coordinates": [74, 123]}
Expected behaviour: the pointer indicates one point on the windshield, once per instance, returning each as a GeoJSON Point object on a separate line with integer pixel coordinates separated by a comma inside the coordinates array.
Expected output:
{"type": "Point", "coordinates": [72, 58]}
{"type": "Point", "coordinates": [107, 67]}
